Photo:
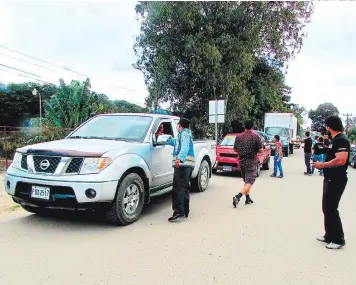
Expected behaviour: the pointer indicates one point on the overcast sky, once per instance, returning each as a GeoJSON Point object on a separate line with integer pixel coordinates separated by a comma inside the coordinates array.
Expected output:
{"type": "Point", "coordinates": [96, 39]}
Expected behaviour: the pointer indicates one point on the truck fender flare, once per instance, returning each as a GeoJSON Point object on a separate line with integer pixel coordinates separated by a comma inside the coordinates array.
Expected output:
{"type": "Point", "coordinates": [129, 161]}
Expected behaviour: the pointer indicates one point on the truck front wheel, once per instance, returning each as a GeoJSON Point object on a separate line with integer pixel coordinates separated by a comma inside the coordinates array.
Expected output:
{"type": "Point", "coordinates": [129, 200]}
{"type": "Point", "coordinates": [201, 182]}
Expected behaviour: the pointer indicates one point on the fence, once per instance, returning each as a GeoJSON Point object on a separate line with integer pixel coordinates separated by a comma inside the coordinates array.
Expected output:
{"type": "Point", "coordinates": [12, 138]}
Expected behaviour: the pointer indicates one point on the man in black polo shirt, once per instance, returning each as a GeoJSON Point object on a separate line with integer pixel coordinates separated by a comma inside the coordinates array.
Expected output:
{"type": "Point", "coordinates": [308, 143]}
{"type": "Point", "coordinates": [335, 181]}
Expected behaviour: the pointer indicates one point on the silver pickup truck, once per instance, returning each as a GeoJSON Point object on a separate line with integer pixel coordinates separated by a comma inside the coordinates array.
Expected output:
{"type": "Point", "coordinates": [113, 163]}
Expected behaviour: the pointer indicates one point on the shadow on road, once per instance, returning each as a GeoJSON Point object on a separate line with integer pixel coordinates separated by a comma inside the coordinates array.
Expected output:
{"type": "Point", "coordinates": [76, 220]}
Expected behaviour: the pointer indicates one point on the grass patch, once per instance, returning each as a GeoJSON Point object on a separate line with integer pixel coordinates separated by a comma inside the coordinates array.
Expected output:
{"type": "Point", "coordinates": [13, 208]}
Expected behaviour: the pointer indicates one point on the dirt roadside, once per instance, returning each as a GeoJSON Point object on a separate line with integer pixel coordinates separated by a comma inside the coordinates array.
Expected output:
{"type": "Point", "coordinates": [7, 206]}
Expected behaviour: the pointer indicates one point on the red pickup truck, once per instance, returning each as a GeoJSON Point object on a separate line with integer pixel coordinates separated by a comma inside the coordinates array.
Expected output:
{"type": "Point", "coordinates": [227, 158]}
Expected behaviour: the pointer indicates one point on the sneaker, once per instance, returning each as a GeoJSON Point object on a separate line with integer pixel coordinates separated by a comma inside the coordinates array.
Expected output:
{"type": "Point", "coordinates": [235, 201]}
{"type": "Point", "coordinates": [274, 176]}
{"type": "Point", "coordinates": [248, 201]}
{"type": "Point", "coordinates": [322, 239]}
{"type": "Point", "coordinates": [175, 217]}
{"type": "Point", "coordinates": [334, 246]}
{"type": "Point", "coordinates": [280, 176]}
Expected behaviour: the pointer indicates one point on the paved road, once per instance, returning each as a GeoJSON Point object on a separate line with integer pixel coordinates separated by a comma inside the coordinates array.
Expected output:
{"type": "Point", "coordinates": [270, 242]}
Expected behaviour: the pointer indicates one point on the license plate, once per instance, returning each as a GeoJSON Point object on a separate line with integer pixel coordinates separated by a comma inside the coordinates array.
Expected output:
{"type": "Point", "coordinates": [227, 168]}
{"type": "Point", "coordinates": [40, 192]}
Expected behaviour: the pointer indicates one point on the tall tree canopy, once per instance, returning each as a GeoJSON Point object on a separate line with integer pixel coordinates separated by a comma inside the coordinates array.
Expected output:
{"type": "Point", "coordinates": [319, 115]}
{"type": "Point", "coordinates": [236, 51]}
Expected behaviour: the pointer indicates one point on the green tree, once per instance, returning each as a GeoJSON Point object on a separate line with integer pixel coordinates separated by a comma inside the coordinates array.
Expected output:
{"type": "Point", "coordinates": [199, 51]}
{"type": "Point", "coordinates": [352, 135]}
{"type": "Point", "coordinates": [18, 104]}
{"type": "Point", "coordinates": [72, 105]}
{"type": "Point", "coordinates": [319, 115]}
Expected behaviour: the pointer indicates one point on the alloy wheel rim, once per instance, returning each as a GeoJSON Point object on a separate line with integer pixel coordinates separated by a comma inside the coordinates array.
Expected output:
{"type": "Point", "coordinates": [131, 199]}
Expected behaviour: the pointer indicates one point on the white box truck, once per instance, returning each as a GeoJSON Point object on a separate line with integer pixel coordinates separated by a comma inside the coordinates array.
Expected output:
{"type": "Point", "coordinates": [283, 124]}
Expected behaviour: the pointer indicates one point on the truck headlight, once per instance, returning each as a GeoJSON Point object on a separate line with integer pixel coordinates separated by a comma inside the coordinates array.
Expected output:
{"type": "Point", "coordinates": [94, 165]}
{"type": "Point", "coordinates": [16, 162]}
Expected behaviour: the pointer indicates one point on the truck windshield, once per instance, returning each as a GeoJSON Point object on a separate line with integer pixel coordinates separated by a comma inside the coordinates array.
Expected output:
{"type": "Point", "coordinates": [228, 141]}
{"type": "Point", "coordinates": [115, 127]}
{"type": "Point", "coordinates": [272, 131]}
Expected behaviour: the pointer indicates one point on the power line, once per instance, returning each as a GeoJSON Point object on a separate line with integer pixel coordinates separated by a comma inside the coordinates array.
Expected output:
{"type": "Point", "coordinates": [41, 60]}
{"type": "Point", "coordinates": [16, 58]}
{"type": "Point", "coordinates": [19, 70]}
{"type": "Point", "coordinates": [18, 74]}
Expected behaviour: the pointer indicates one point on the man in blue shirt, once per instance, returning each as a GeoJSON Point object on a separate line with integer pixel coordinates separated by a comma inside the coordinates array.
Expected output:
{"type": "Point", "coordinates": [183, 163]}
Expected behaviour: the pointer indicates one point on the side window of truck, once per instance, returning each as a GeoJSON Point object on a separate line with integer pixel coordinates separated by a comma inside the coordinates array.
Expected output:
{"type": "Point", "coordinates": [167, 127]}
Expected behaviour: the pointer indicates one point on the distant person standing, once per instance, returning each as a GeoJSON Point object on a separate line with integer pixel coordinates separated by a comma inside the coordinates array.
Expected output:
{"type": "Point", "coordinates": [247, 145]}
{"type": "Point", "coordinates": [318, 153]}
{"type": "Point", "coordinates": [308, 143]}
{"type": "Point", "coordinates": [316, 140]}
{"type": "Point", "coordinates": [335, 181]}
{"type": "Point", "coordinates": [278, 155]}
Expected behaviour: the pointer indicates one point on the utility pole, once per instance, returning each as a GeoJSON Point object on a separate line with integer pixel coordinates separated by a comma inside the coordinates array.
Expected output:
{"type": "Point", "coordinates": [34, 93]}
{"type": "Point", "coordinates": [347, 122]}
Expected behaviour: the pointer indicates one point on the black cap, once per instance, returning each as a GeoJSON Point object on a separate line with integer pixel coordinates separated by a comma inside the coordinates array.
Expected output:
{"type": "Point", "coordinates": [185, 123]}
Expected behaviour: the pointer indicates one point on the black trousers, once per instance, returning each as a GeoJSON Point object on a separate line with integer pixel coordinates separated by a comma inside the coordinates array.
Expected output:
{"type": "Point", "coordinates": [332, 192]}
{"type": "Point", "coordinates": [307, 158]}
{"type": "Point", "coordinates": [180, 195]}
{"type": "Point", "coordinates": [291, 148]}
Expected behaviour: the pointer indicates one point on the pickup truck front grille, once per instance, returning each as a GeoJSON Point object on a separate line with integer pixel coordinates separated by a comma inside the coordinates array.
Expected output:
{"type": "Point", "coordinates": [228, 155]}
{"type": "Point", "coordinates": [24, 161]}
{"type": "Point", "coordinates": [46, 164]}
{"type": "Point", "coordinates": [75, 165]}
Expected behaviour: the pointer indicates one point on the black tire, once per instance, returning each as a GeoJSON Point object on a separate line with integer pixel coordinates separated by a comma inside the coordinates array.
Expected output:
{"type": "Point", "coordinates": [214, 171]}
{"type": "Point", "coordinates": [265, 166]}
{"type": "Point", "coordinates": [118, 213]}
{"type": "Point", "coordinates": [201, 182]}
{"type": "Point", "coordinates": [258, 169]}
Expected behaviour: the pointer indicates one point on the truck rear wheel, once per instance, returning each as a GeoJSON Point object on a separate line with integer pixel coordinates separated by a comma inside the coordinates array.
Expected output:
{"type": "Point", "coordinates": [201, 182]}
{"type": "Point", "coordinates": [129, 200]}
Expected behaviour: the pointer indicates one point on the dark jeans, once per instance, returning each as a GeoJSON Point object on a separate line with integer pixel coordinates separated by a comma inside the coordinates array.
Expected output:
{"type": "Point", "coordinates": [307, 158]}
{"type": "Point", "coordinates": [291, 148]}
{"type": "Point", "coordinates": [277, 165]}
{"type": "Point", "coordinates": [332, 192]}
{"type": "Point", "coordinates": [180, 195]}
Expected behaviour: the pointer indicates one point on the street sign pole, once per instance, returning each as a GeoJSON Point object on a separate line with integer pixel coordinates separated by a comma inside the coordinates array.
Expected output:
{"type": "Point", "coordinates": [216, 114]}
{"type": "Point", "coordinates": [216, 118]}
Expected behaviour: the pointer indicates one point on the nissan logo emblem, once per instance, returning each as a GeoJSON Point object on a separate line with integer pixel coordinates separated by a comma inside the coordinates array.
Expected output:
{"type": "Point", "coordinates": [44, 164]}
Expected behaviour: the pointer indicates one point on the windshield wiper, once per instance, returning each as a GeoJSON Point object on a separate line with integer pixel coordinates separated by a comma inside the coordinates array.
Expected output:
{"type": "Point", "coordinates": [78, 137]}
{"type": "Point", "coordinates": [99, 138]}
{"type": "Point", "coordinates": [121, 139]}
